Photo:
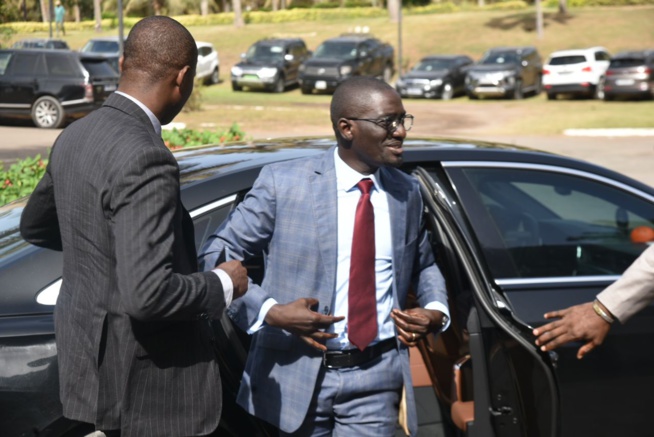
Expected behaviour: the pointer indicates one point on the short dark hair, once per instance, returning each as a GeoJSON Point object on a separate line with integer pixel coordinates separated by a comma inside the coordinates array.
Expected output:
{"type": "Point", "coordinates": [353, 96]}
{"type": "Point", "coordinates": [158, 45]}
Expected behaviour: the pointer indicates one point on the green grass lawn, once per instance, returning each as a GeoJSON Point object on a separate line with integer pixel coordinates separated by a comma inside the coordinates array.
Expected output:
{"type": "Point", "coordinates": [473, 32]}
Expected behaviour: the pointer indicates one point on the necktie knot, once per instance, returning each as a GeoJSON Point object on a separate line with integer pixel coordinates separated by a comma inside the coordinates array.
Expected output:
{"type": "Point", "coordinates": [365, 185]}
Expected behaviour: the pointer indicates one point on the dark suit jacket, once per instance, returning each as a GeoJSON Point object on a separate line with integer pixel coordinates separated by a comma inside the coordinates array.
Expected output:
{"type": "Point", "coordinates": [134, 346]}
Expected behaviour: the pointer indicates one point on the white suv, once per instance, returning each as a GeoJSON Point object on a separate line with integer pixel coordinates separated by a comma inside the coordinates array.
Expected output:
{"type": "Point", "coordinates": [579, 72]}
{"type": "Point", "coordinates": [208, 67]}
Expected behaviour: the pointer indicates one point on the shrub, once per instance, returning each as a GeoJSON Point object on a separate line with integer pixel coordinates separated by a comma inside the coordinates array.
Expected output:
{"type": "Point", "coordinates": [180, 138]}
{"type": "Point", "coordinates": [21, 178]}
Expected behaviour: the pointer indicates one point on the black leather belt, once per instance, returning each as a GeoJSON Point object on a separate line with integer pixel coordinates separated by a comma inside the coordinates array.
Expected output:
{"type": "Point", "coordinates": [354, 357]}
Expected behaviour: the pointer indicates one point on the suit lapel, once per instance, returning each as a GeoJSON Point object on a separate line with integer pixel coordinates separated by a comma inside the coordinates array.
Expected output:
{"type": "Point", "coordinates": [324, 207]}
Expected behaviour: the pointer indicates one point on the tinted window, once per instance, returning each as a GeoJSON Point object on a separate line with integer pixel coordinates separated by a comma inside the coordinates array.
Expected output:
{"type": "Point", "coordinates": [62, 66]}
{"type": "Point", "coordinates": [4, 61]}
{"type": "Point", "coordinates": [567, 60]}
{"type": "Point", "coordinates": [500, 58]}
{"type": "Point", "coordinates": [24, 64]}
{"type": "Point", "coordinates": [545, 224]}
{"type": "Point", "coordinates": [98, 68]}
{"type": "Point", "coordinates": [602, 56]}
{"type": "Point", "coordinates": [346, 50]}
{"type": "Point", "coordinates": [627, 62]}
{"type": "Point", "coordinates": [261, 51]}
{"type": "Point", "coordinates": [207, 223]}
{"type": "Point", "coordinates": [204, 51]}
{"type": "Point", "coordinates": [435, 64]}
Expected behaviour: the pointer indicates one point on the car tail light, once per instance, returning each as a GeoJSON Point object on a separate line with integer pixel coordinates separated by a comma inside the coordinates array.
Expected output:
{"type": "Point", "coordinates": [610, 72]}
{"type": "Point", "coordinates": [644, 70]}
{"type": "Point", "coordinates": [88, 91]}
{"type": "Point", "coordinates": [587, 69]}
{"type": "Point", "coordinates": [546, 71]}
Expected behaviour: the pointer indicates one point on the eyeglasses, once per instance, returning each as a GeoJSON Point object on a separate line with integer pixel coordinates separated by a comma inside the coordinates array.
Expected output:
{"type": "Point", "coordinates": [390, 124]}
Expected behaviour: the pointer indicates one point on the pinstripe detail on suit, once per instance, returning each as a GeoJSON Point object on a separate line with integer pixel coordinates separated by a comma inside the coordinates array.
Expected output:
{"type": "Point", "coordinates": [290, 213]}
{"type": "Point", "coordinates": [133, 353]}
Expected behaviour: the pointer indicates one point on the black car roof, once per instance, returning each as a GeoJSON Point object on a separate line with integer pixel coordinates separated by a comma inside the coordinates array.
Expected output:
{"type": "Point", "coordinates": [270, 41]}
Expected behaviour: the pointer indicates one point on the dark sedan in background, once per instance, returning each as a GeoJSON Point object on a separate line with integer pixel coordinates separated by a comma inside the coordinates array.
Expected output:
{"type": "Point", "coordinates": [515, 232]}
{"type": "Point", "coordinates": [436, 76]}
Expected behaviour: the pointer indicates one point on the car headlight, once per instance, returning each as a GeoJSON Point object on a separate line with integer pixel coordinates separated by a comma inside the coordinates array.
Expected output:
{"type": "Point", "coordinates": [399, 82]}
{"type": "Point", "coordinates": [436, 82]}
{"type": "Point", "coordinates": [237, 71]}
{"type": "Point", "coordinates": [267, 72]}
{"type": "Point", "coordinates": [345, 70]}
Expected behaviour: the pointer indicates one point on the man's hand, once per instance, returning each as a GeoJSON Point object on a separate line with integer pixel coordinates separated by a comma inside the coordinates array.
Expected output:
{"type": "Point", "coordinates": [579, 322]}
{"type": "Point", "coordinates": [298, 318]}
{"type": "Point", "coordinates": [415, 323]}
{"type": "Point", "coordinates": [238, 274]}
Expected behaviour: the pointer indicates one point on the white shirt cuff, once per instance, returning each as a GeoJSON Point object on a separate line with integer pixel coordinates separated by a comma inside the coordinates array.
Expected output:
{"type": "Point", "coordinates": [262, 315]}
{"type": "Point", "coordinates": [443, 309]}
{"type": "Point", "coordinates": [228, 286]}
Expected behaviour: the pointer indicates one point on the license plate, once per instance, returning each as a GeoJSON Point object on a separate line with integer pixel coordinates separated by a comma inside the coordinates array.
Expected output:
{"type": "Point", "coordinates": [624, 82]}
{"type": "Point", "coordinates": [414, 91]}
{"type": "Point", "coordinates": [251, 77]}
{"type": "Point", "coordinates": [321, 85]}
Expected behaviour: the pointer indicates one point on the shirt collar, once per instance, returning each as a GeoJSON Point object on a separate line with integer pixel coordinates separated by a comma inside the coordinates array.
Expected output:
{"type": "Point", "coordinates": [156, 124]}
{"type": "Point", "coordinates": [347, 177]}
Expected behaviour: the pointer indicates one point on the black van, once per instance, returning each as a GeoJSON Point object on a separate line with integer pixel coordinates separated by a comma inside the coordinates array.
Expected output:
{"type": "Point", "coordinates": [51, 86]}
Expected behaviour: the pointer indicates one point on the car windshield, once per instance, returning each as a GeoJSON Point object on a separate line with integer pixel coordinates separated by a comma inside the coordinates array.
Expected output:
{"type": "Point", "coordinates": [341, 50]}
{"type": "Point", "coordinates": [4, 61]}
{"type": "Point", "coordinates": [567, 60]}
{"type": "Point", "coordinates": [626, 62]}
{"type": "Point", "coordinates": [265, 52]}
{"type": "Point", "coordinates": [434, 65]}
{"type": "Point", "coordinates": [101, 47]}
{"type": "Point", "coordinates": [99, 67]}
{"type": "Point", "coordinates": [499, 58]}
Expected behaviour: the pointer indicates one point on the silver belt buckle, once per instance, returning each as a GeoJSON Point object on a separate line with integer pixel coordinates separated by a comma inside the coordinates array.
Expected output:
{"type": "Point", "coordinates": [328, 352]}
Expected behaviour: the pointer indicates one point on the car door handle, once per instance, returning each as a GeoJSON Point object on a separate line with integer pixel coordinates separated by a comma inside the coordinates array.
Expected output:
{"type": "Point", "coordinates": [502, 411]}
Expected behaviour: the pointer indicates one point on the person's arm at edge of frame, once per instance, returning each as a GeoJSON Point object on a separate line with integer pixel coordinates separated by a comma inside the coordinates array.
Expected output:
{"type": "Point", "coordinates": [591, 321]}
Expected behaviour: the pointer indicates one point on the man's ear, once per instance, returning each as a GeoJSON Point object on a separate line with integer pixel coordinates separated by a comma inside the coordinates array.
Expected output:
{"type": "Point", "coordinates": [120, 64]}
{"type": "Point", "coordinates": [344, 126]}
{"type": "Point", "coordinates": [181, 75]}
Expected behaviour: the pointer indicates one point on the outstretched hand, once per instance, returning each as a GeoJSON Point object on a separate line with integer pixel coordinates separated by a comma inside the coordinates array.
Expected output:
{"type": "Point", "coordinates": [577, 323]}
{"type": "Point", "coordinates": [415, 323]}
{"type": "Point", "coordinates": [298, 318]}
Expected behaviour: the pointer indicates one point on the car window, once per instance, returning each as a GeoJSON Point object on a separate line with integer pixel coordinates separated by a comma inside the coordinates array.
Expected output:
{"type": "Point", "coordinates": [546, 224]}
{"type": "Point", "coordinates": [61, 66]}
{"type": "Point", "coordinates": [24, 64]}
{"type": "Point", "coordinates": [435, 64]}
{"type": "Point", "coordinates": [626, 62]}
{"type": "Point", "coordinates": [4, 61]}
{"type": "Point", "coordinates": [208, 218]}
{"type": "Point", "coordinates": [98, 67]}
{"type": "Point", "coordinates": [567, 60]}
{"type": "Point", "coordinates": [500, 58]}
{"type": "Point", "coordinates": [602, 56]}
{"type": "Point", "coordinates": [204, 51]}
{"type": "Point", "coordinates": [265, 51]}
{"type": "Point", "coordinates": [344, 50]}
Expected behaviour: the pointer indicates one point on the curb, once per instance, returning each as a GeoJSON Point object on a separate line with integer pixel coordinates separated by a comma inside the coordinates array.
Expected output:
{"type": "Point", "coordinates": [626, 132]}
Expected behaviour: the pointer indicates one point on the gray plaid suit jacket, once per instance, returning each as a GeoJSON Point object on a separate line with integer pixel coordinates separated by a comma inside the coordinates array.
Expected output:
{"type": "Point", "coordinates": [290, 215]}
{"type": "Point", "coordinates": [134, 353]}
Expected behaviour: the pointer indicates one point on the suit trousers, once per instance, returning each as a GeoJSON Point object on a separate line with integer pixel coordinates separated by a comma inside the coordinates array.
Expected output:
{"type": "Point", "coordinates": [360, 401]}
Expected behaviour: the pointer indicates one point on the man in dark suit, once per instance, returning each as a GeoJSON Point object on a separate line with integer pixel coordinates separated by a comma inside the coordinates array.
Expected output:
{"type": "Point", "coordinates": [134, 345]}
{"type": "Point", "coordinates": [330, 321]}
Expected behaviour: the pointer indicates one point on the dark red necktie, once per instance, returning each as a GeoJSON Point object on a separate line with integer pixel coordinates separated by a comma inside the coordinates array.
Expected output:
{"type": "Point", "coordinates": [362, 301]}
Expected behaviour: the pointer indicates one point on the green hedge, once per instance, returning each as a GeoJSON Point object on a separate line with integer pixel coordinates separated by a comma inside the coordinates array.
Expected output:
{"type": "Point", "coordinates": [20, 179]}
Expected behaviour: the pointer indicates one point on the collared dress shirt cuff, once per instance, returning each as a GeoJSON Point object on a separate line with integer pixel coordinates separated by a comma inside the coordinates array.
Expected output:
{"type": "Point", "coordinates": [228, 285]}
{"type": "Point", "coordinates": [443, 309]}
{"type": "Point", "coordinates": [258, 324]}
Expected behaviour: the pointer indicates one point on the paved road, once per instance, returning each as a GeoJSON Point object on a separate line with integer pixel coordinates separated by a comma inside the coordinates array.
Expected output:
{"type": "Point", "coordinates": [633, 156]}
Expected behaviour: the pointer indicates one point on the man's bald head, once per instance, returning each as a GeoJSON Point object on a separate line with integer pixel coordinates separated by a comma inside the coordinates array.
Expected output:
{"type": "Point", "coordinates": [353, 96]}
{"type": "Point", "coordinates": [156, 47]}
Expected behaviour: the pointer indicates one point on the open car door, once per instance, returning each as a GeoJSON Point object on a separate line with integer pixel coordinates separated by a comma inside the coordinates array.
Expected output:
{"type": "Point", "coordinates": [486, 370]}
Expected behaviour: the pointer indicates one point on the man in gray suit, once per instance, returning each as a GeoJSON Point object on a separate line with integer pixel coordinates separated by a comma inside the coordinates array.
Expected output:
{"type": "Point", "coordinates": [131, 321]}
{"type": "Point", "coordinates": [592, 321]}
{"type": "Point", "coordinates": [308, 371]}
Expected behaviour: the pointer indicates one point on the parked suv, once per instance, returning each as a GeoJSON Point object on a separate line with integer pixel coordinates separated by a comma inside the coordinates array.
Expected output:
{"type": "Point", "coordinates": [51, 86]}
{"type": "Point", "coordinates": [576, 72]}
{"type": "Point", "coordinates": [270, 64]}
{"type": "Point", "coordinates": [338, 58]}
{"type": "Point", "coordinates": [630, 74]}
{"type": "Point", "coordinates": [40, 43]}
{"type": "Point", "coordinates": [208, 66]}
{"type": "Point", "coordinates": [505, 72]}
{"type": "Point", "coordinates": [435, 76]}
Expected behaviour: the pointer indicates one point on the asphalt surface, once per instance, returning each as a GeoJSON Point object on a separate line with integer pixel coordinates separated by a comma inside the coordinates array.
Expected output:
{"type": "Point", "coordinates": [631, 155]}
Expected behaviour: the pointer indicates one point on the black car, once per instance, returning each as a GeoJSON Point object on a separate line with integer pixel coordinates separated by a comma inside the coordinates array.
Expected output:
{"type": "Point", "coordinates": [515, 232]}
{"type": "Point", "coordinates": [52, 86]}
{"type": "Point", "coordinates": [40, 43]}
{"type": "Point", "coordinates": [440, 76]}
{"type": "Point", "coordinates": [508, 72]}
{"type": "Point", "coordinates": [270, 64]}
{"type": "Point", "coordinates": [630, 74]}
{"type": "Point", "coordinates": [339, 58]}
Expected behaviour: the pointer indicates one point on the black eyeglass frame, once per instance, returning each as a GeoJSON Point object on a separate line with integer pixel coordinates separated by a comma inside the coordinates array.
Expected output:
{"type": "Point", "coordinates": [388, 124]}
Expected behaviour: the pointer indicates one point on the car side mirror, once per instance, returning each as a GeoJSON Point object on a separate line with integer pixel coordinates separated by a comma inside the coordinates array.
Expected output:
{"type": "Point", "coordinates": [288, 57]}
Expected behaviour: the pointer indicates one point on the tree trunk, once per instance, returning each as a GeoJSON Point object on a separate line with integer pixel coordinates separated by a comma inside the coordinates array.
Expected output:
{"type": "Point", "coordinates": [97, 15]}
{"type": "Point", "coordinates": [76, 12]}
{"type": "Point", "coordinates": [238, 17]}
{"type": "Point", "coordinates": [226, 6]}
{"type": "Point", "coordinates": [393, 12]}
{"type": "Point", "coordinates": [204, 8]}
{"type": "Point", "coordinates": [157, 6]}
{"type": "Point", "coordinates": [275, 5]}
{"type": "Point", "coordinates": [45, 10]}
{"type": "Point", "coordinates": [563, 7]}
